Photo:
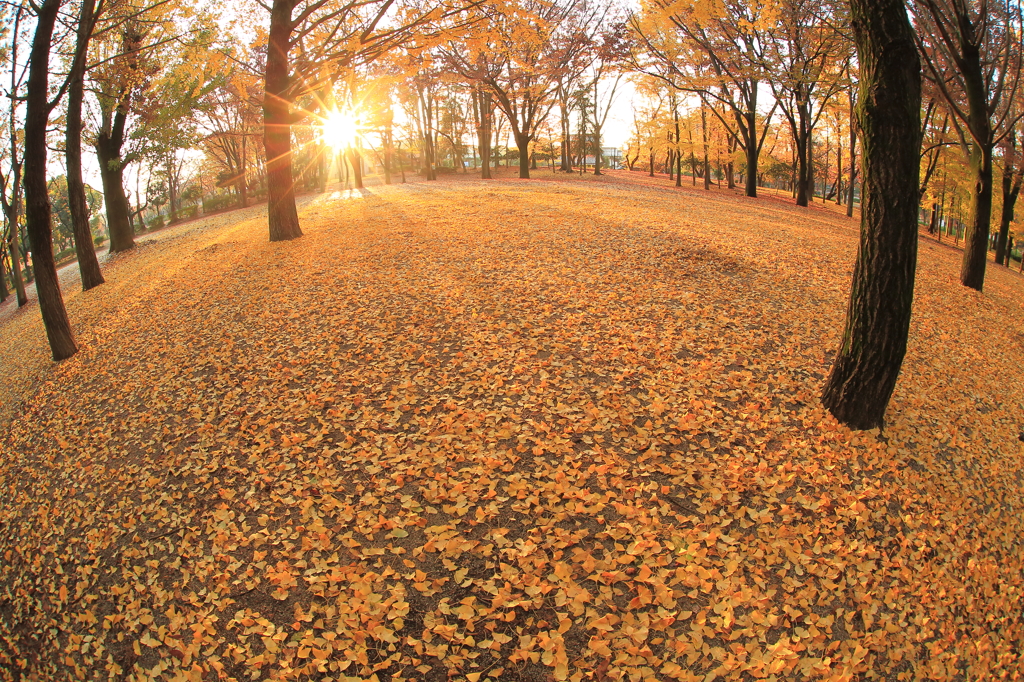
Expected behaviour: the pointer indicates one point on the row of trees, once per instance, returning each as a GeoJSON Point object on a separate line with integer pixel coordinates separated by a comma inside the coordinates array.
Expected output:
{"type": "Point", "coordinates": [143, 82]}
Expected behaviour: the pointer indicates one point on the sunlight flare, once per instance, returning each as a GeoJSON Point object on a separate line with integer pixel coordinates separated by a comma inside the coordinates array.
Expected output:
{"type": "Point", "coordinates": [339, 129]}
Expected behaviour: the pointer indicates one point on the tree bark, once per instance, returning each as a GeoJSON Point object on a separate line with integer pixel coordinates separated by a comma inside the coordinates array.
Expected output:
{"type": "Point", "coordinates": [972, 270]}
{"type": "Point", "coordinates": [750, 181]}
{"type": "Point", "coordinates": [19, 279]}
{"type": "Point", "coordinates": [277, 127]}
{"type": "Point", "coordinates": [874, 341]}
{"type": "Point", "coordinates": [88, 265]}
{"type": "Point", "coordinates": [108, 151]}
{"type": "Point", "coordinates": [356, 161]}
{"type": "Point", "coordinates": [4, 293]}
{"type": "Point", "coordinates": [484, 133]}
{"type": "Point", "coordinates": [37, 201]}
{"type": "Point", "coordinates": [704, 138]}
{"type": "Point", "coordinates": [523, 144]}
{"type": "Point", "coordinates": [1011, 189]}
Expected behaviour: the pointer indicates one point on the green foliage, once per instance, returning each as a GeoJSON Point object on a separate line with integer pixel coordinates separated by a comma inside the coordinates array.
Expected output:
{"type": "Point", "coordinates": [63, 228]}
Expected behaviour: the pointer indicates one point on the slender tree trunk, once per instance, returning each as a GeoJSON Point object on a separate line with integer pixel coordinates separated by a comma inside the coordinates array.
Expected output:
{"type": "Point", "coordinates": [88, 265]}
{"type": "Point", "coordinates": [853, 159]}
{"type": "Point", "coordinates": [277, 127]}
{"type": "Point", "coordinates": [839, 174]}
{"type": "Point", "coordinates": [704, 138]}
{"type": "Point", "coordinates": [484, 135]}
{"type": "Point", "coordinates": [16, 275]}
{"type": "Point", "coordinates": [172, 194]}
{"type": "Point", "coordinates": [729, 170]}
{"type": "Point", "coordinates": [563, 107]}
{"type": "Point", "coordinates": [1010, 191]}
{"type": "Point", "coordinates": [874, 342]}
{"type": "Point", "coordinates": [389, 151]}
{"type": "Point", "coordinates": [4, 292]}
{"type": "Point", "coordinates": [37, 202]}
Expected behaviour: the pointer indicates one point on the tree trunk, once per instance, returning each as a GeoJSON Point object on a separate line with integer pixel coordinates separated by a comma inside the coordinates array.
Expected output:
{"type": "Point", "coordinates": [874, 342]}
{"type": "Point", "coordinates": [356, 160]}
{"type": "Point", "coordinates": [19, 279]}
{"type": "Point", "coordinates": [4, 293]}
{"type": "Point", "coordinates": [1010, 191]}
{"type": "Point", "coordinates": [566, 165]}
{"type": "Point", "coordinates": [750, 185]}
{"type": "Point", "coordinates": [88, 265]}
{"type": "Point", "coordinates": [802, 143]}
{"type": "Point", "coordinates": [972, 270]}
{"type": "Point", "coordinates": [277, 128]}
{"type": "Point", "coordinates": [388, 147]}
{"type": "Point", "coordinates": [839, 174]}
{"type": "Point", "coordinates": [37, 202]}
{"type": "Point", "coordinates": [523, 144]}
{"type": "Point", "coordinates": [853, 156]}
{"type": "Point", "coordinates": [108, 152]}
{"type": "Point", "coordinates": [704, 138]}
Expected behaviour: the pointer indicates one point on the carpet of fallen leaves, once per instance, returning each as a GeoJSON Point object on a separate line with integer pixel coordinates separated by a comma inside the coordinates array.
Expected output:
{"type": "Point", "coordinates": [509, 430]}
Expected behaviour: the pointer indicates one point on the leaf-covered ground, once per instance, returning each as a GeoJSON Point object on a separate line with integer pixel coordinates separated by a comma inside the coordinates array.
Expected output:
{"type": "Point", "coordinates": [509, 430]}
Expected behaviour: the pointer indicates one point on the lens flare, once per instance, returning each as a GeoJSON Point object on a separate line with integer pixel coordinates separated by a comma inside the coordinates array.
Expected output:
{"type": "Point", "coordinates": [339, 129]}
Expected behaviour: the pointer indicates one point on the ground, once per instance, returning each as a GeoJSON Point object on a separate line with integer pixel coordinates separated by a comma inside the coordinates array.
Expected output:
{"type": "Point", "coordinates": [510, 430]}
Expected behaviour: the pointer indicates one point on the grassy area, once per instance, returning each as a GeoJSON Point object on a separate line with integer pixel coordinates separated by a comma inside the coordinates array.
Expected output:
{"type": "Point", "coordinates": [556, 429]}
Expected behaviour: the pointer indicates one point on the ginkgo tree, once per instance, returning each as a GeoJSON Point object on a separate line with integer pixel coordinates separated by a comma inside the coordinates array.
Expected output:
{"type": "Point", "coordinates": [714, 52]}
{"type": "Point", "coordinates": [874, 340]}
{"type": "Point", "coordinates": [331, 37]}
{"type": "Point", "coordinates": [152, 69]}
{"type": "Point", "coordinates": [973, 55]}
{"type": "Point", "coordinates": [518, 60]}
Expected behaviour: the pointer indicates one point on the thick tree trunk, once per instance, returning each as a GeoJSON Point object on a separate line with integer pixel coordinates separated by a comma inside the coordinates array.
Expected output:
{"type": "Point", "coordinates": [356, 160]}
{"type": "Point", "coordinates": [108, 152]}
{"type": "Point", "coordinates": [277, 127]}
{"type": "Point", "coordinates": [874, 342]}
{"type": "Point", "coordinates": [750, 184]}
{"type": "Point", "coordinates": [88, 265]}
{"type": "Point", "coordinates": [37, 202]}
{"type": "Point", "coordinates": [119, 225]}
{"type": "Point", "coordinates": [523, 144]}
{"type": "Point", "coordinates": [972, 270]}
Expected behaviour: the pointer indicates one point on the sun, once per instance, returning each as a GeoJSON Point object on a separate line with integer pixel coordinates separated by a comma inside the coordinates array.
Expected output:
{"type": "Point", "coordinates": [339, 129]}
